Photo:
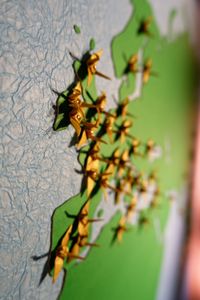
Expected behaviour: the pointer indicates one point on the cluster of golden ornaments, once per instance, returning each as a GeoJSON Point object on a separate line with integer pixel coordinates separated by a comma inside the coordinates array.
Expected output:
{"type": "Point", "coordinates": [115, 173]}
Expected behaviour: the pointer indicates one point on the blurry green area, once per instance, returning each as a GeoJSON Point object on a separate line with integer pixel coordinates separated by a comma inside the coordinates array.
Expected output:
{"type": "Point", "coordinates": [166, 107]}
{"type": "Point", "coordinates": [130, 270]}
{"type": "Point", "coordinates": [77, 29]}
{"type": "Point", "coordinates": [92, 44]}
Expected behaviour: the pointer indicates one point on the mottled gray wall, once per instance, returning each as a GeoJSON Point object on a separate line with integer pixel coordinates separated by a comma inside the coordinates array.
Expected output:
{"type": "Point", "coordinates": [37, 171]}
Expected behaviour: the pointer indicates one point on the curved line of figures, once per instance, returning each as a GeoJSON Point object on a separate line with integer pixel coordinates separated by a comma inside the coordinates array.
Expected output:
{"type": "Point", "coordinates": [94, 125]}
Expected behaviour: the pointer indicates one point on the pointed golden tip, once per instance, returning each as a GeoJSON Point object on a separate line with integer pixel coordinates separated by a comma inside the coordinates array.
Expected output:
{"type": "Point", "coordinates": [99, 53]}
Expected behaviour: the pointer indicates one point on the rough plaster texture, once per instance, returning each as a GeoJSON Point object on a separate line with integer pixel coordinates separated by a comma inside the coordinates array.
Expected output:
{"type": "Point", "coordinates": [37, 165]}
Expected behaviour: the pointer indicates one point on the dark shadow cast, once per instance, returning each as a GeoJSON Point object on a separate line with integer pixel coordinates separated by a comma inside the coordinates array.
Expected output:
{"type": "Point", "coordinates": [63, 283]}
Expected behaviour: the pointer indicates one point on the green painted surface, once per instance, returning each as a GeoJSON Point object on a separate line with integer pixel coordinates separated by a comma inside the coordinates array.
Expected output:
{"type": "Point", "coordinates": [131, 270]}
{"type": "Point", "coordinates": [92, 44]}
{"type": "Point", "coordinates": [77, 29]}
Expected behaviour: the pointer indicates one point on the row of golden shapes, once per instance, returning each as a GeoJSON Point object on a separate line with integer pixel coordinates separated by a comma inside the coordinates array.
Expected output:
{"type": "Point", "coordinates": [118, 163]}
{"type": "Point", "coordinates": [122, 132]}
{"type": "Point", "coordinates": [85, 131]}
{"type": "Point", "coordinates": [81, 240]}
{"type": "Point", "coordinates": [130, 210]}
{"type": "Point", "coordinates": [146, 69]}
{"type": "Point", "coordinates": [76, 106]}
{"type": "Point", "coordinates": [76, 117]}
{"type": "Point", "coordinates": [125, 185]}
{"type": "Point", "coordinates": [109, 122]}
{"type": "Point", "coordinates": [89, 128]}
{"type": "Point", "coordinates": [78, 241]}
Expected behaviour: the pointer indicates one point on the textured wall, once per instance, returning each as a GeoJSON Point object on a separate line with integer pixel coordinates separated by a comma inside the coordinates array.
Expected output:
{"type": "Point", "coordinates": [37, 164]}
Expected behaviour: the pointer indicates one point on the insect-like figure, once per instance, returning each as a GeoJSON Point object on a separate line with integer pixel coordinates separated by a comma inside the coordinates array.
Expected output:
{"type": "Point", "coordinates": [92, 167]}
{"type": "Point", "coordinates": [134, 148]}
{"type": "Point", "coordinates": [63, 253]}
{"type": "Point", "coordinates": [70, 105]}
{"type": "Point", "coordinates": [143, 221]}
{"type": "Point", "coordinates": [122, 108]}
{"type": "Point", "coordinates": [76, 105]}
{"type": "Point", "coordinates": [133, 180]}
{"type": "Point", "coordinates": [76, 113]}
{"type": "Point", "coordinates": [152, 178]}
{"type": "Point", "coordinates": [103, 182]}
{"type": "Point", "coordinates": [131, 207]}
{"type": "Point", "coordinates": [120, 229]}
{"type": "Point", "coordinates": [80, 241]}
{"type": "Point", "coordinates": [149, 147]}
{"type": "Point", "coordinates": [156, 194]}
{"type": "Point", "coordinates": [84, 220]}
{"type": "Point", "coordinates": [93, 153]}
{"type": "Point", "coordinates": [132, 64]}
{"type": "Point", "coordinates": [120, 190]}
{"type": "Point", "coordinates": [81, 238]}
{"type": "Point", "coordinates": [142, 187]}
{"type": "Point", "coordinates": [100, 105]}
{"type": "Point", "coordinates": [108, 126]}
{"type": "Point", "coordinates": [123, 131]}
{"type": "Point", "coordinates": [100, 180]}
{"type": "Point", "coordinates": [144, 26]}
{"type": "Point", "coordinates": [147, 71]}
{"type": "Point", "coordinates": [91, 66]}
{"type": "Point", "coordinates": [129, 180]}
{"type": "Point", "coordinates": [113, 161]}
{"type": "Point", "coordinates": [123, 162]}
{"type": "Point", "coordinates": [87, 132]}
{"type": "Point", "coordinates": [91, 177]}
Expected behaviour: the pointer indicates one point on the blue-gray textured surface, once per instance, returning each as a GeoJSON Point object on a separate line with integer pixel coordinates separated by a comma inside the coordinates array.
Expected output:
{"type": "Point", "coordinates": [37, 166]}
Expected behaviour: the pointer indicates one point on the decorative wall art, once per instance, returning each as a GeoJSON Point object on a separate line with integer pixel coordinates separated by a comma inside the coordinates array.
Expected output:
{"type": "Point", "coordinates": [97, 146]}
{"type": "Point", "coordinates": [121, 190]}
